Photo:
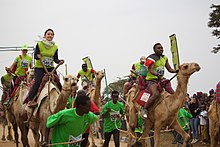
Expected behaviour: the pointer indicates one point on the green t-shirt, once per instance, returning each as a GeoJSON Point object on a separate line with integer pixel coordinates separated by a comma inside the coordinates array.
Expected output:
{"type": "Point", "coordinates": [68, 126]}
{"type": "Point", "coordinates": [22, 64]}
{"type": "Point", "coordinates": [69, 102]}
{"type": "Point", "coordinates": [7, 80]}
{"type": "Point", "coordinates": [140, 125]}
{"type": "Point", "coordinates": [182, 113]}
{"type": "Point", "coordinates": [109, 121]}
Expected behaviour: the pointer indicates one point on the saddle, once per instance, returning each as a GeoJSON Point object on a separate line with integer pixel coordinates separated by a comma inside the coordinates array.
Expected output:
{"type": "Point", "coordinates": [144, 95]}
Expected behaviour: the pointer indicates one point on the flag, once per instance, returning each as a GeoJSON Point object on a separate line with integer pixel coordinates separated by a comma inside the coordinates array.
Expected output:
{"type": "Point", "coordinates": [174, 51]}
{"type": "Point", "coordinates": [88, 62]}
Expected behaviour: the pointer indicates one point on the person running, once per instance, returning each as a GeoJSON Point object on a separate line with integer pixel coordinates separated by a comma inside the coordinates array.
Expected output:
{"type": "Point", "coordinates": [156, 63]}
{"type": "Point", "coordinates": [47, 51]}
{"type": "Point", "coordinates": [70, 124]}
{"type": "Point", "coordinates": [87, 76]}
{"type": "Point", "coordinates": [112, 112]}
{"type": "Point", "coordinates": [133, 77]}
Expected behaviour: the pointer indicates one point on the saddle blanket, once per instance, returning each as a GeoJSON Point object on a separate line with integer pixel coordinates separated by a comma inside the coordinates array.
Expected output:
{"type": "Point", "coordinates": [143, 97]}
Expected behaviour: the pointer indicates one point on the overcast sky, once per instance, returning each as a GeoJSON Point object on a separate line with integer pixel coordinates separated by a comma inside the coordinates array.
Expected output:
{"type": "Point", "coordinates": [114, 33]}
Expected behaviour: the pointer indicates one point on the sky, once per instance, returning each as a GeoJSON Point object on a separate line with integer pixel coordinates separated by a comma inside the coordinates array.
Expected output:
{"type": "Point", "coordinates": [114, 34]}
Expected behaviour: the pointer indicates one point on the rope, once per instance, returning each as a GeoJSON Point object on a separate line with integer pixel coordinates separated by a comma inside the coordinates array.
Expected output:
{"type": "Point", "coordinates": [60, 143]}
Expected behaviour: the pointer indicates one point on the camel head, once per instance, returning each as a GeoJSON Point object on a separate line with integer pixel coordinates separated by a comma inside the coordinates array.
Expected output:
{"type": "Point", "coordinates": [187, 69]}
{"type": "Point", "coordinates": [70, 83]}
{"type": "Point", "coordinates": [99, 75]}
{"type": "Point", "coordinates": [30, 75]}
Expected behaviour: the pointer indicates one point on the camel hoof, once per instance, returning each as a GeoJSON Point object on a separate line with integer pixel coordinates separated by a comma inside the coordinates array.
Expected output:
{"type": "Point", "coordinates": [3, 138]}
{"type": "Point", "coordinates": [9, 137]}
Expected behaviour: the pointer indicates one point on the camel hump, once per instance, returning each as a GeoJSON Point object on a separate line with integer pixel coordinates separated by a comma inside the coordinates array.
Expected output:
{"type": "Point", "coordinates": [44, 93]}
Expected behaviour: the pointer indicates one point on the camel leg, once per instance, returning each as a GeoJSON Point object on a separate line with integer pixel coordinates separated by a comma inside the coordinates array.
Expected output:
{"type": "Point", "coordinates": [147, 128]}
{"type": "Point", "coordinates": [92, 136]}
{"type": "Point", "coordinates": [98, 127]}
{"type": "Point", "coordinates": [15, 128]}
{"type": "Point", "coordinates": [46, 137]}
{"type": "Point", "coordinates": [35, 130]}
{"type": "Point", "coordinates": [3, 133]}
{"type": "Point", "coordinates": [179, 130]}
{"type": "Point", "coordinates": [213, 134]}
{"type": "Point", "coordinates": [9, 137]}
{"type": "Point", "coordinates": [132, 125]}
{"type": "Point", "coordinates": [157, 129]}
{"type": "Point", "coordinates": [24, 133]}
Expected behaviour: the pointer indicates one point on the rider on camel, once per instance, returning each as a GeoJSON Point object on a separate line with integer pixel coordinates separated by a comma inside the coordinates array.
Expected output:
{"type": "Point", "coordinates": [133, 77]}
{"type": "Point", "coordinates": [47, 51]}
{"type": "Point", "coordinates": [87, 76]}
{"type": "Point", "coordinates": [156, 63]}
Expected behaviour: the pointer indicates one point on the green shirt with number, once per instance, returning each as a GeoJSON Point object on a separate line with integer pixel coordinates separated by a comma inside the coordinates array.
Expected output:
{"type": "Point", "coordinates": [111, 122]}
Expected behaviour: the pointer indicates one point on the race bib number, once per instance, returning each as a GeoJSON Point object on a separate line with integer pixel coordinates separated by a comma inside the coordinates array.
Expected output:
{"type": "Point", "coordinates": [47, 61]}
{"type": "Point", "coordinates": [114, 115]}
{"type": "Point", "coordinates": [72, 139]}
{"type": "Point", "coordinates": [24, 63]}
{"type": "Point", "coordinates": [145, 97]}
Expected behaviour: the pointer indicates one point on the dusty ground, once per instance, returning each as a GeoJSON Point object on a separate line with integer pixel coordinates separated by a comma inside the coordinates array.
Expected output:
{"type": "Point", "coordinates": [166, 139]}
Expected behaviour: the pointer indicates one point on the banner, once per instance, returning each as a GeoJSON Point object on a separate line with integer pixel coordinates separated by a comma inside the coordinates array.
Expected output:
{"type": "Point", "coordinates": [88, 62]}
{"type": "Point", "coordinates": [174, 51]}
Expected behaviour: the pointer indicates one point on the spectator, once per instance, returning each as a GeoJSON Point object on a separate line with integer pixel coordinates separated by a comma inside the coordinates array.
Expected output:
{"type": "Point", "coordinates": [194, 121]}
{"type": "Point", "coordinates": [203, 124]}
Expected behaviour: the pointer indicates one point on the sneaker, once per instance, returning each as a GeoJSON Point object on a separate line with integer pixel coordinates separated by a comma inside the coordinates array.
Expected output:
{"type": "Point", "coordinates": [144, 112]}
{"type": "Point", "coordinates": [193, 141]}
{"type": "Point", "coordinates": [196, 140]}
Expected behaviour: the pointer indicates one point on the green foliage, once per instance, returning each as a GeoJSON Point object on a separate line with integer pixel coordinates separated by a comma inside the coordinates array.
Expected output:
{"type": "Point", "coordinates": [215, 23]}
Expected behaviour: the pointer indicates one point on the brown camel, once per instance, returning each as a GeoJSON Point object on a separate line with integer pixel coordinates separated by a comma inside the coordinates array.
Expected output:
{"type": "Point", "coordinates": [50, 101]}
{"type": "Point", "coordinates": [131, 110]}
{"type": "Point", "coordinates": [164, 112]}
{"type": "Point", "coordinates": [17, 112]}
{"type": "Point", "coordinates": [214, 123]}
{"type": "Point", "coordinates": [4, 123]}
{"type": "Point", "coordinates": [95, 96]}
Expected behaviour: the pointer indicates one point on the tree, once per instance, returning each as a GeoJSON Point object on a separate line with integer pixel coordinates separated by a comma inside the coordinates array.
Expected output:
{"type": "Point", "coordinates": [215, 23]}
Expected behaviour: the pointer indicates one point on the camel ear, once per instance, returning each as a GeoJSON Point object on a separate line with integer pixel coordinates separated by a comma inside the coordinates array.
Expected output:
{"type": "Point", "coordinates": [27, 72]}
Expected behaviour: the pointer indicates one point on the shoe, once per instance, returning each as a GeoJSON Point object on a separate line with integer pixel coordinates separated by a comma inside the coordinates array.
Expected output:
{"type": "Point", "coordinates": [32, 104]}
{"type": "Point", "coordinates": [196, 140]}
{"type": "Point", "coordinates": [193, 141]}
{"type": "Point", "coordinates": [144, 112]}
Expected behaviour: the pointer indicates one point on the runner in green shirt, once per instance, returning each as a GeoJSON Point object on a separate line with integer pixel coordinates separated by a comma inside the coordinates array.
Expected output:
{"type": "Point", "coordinates": [111, 112]}
{"type": "Point", "coordinates": [70, 124]}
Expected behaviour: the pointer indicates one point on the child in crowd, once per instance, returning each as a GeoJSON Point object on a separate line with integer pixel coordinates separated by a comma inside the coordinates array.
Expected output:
{"type": "Point", "coordinates": [204, 124]}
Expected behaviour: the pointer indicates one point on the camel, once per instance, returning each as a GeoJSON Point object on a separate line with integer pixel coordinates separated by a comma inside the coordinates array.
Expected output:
{"type": "Point", "coordinates": [131, 110]}
{"type": "Point", "coordinates": [50, 101]}
{"type": "Point", "coordinates": [164, 112]}
{"type": "Point", "coordinates": [95, 96]}
{"type": "Point", "coordinates": [17, 114]}
{"type": "Point", "coordinates": [4, 123]}
{"type": "Point", "coordinates": [214, 123]}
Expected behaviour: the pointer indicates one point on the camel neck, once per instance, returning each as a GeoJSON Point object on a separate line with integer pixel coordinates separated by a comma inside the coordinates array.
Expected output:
{"type": "Point", "coordinates": [181, 90]}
